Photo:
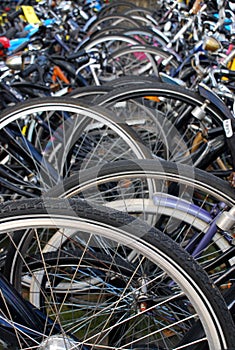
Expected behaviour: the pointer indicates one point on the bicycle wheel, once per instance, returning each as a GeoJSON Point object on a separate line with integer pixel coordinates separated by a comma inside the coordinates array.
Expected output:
{"type": "Point", "coordinates": [141, 11]}
{"type": "Point", "coordinates": [151, 36]}
{"type": "Point", "coordinates": [108, 43]}
{"type": "Point", "coordinates": [145, 35]}
{"type": "Point", "coordinates": [136, 60]}
{"type": "Point", "coordinates": [92, 296]}
{"type": "Point", "coordinates": [173, 111]}
{"type": "Point", "coordinates": [43, 139]}
{"type": "Point", "coordinates": [122, 20]}
{"type": "Point", "coordinates": [179, 200]}
{"type": "Point", "coordinates": [116, 7]}
{"type": "Point", "coordinates": [112, 21]}
{"type": "Point", "coordinates": [89, 94]}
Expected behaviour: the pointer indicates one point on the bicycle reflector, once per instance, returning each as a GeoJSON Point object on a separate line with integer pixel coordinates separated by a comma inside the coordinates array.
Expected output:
{"type": "Point", "coordinates": [4, 45]}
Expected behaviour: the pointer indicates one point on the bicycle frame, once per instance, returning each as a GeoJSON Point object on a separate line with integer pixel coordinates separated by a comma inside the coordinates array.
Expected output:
{"type": "Point", "coordinates": [227, 130]}
{"type": "Point", "coordinates": [209, 221]}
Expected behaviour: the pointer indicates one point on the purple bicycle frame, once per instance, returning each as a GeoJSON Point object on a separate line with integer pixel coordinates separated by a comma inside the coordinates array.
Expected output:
{"type": "Point", "coordinates": [186, 207]}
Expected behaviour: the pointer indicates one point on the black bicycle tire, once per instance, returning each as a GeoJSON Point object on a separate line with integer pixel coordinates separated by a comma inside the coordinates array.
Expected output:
{"type": "Point", "coordinates": [168, 89]}
{"type": "Point", "coordinates": [180, 172]}
{"type": "Point", "coordinates": [13, 113]}
{"type": "Point", "coordinates": [175, 92]}
{"type": "Point", "coordinates": [59, 209]}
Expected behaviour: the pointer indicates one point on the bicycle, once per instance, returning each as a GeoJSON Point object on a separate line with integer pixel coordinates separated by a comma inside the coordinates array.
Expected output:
{"type": "Point", "coordinates": [180, 124]}
{"type": "Point", "coordinates": [183, 202]}
{"type": "Point", "coordinates": [35, 132]}
{"type": "Point", "coordinates": [87, 294]}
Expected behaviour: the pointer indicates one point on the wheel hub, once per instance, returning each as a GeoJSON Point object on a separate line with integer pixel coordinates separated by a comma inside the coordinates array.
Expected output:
{"type": "Point", "coordinates": [58, 342]}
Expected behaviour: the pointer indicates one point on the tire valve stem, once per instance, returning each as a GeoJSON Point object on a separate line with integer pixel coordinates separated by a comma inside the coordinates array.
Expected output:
{"type": "Point", "coordinates": [142, 297]}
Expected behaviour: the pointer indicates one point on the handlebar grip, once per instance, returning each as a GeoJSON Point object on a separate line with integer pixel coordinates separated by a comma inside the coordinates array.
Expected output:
{"type": "Point", "coordinates": [13, 15]}
{"type": "Point", "coordinates": [78, 54]}
{"type": "Point", "coordinates": [10, 33]}
{"type": "Point", "coordinates": [225, 72]}
{"type": "Point", "coordinates": [27, 71]}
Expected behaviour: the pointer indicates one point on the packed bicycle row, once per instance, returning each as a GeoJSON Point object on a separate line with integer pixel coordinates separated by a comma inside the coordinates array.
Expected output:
{"type": "Point", "coordinates": [117, 176]}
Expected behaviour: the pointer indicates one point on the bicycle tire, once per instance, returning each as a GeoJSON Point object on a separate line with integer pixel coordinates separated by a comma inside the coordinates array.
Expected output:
{"type": "Point", "coordinates": [154, 190]}
{"type": "Point", "coordinates": [53, 133]}
{"type": "Point", "coordinates": [152, 36]}
{"type": "Point", "coordinates": [106, 43]}
{"type": "Point", "coordinates": [138, 60]}
{"type": "Point", "coordinates": [88, 91]}
{"type": "Point", "coordinates": [89, 94]}
{"type": "Point", "coordinates": [179, 104]}
{"type": "Point", "coordinates": [145, 35]}
{"type": "Point", "coordinates": [112, 21]}
{"type": "Point", "coordinates": [112, 8]}
{"type": "Point", "coordinates": [190, 281]}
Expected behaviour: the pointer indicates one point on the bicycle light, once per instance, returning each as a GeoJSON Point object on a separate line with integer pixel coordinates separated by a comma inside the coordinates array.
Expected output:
{"type": "Point", "coordinates": [226, 220]}
{"type": "Point", "coordinates": [211, 44]}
